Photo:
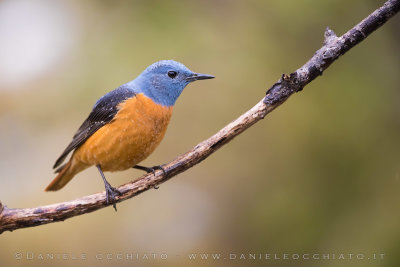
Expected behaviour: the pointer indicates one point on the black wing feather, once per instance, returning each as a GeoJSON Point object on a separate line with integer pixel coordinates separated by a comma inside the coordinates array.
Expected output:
{"type": "Point", "coordinates": [103, 112]}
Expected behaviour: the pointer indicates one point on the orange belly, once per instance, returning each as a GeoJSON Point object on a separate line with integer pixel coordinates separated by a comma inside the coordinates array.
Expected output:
{"type": "Point", "coordinates": [136, 130]}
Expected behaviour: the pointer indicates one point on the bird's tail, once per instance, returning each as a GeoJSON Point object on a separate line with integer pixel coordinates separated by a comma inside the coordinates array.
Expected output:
{"type": "Point", "coordinates": [65, 173]}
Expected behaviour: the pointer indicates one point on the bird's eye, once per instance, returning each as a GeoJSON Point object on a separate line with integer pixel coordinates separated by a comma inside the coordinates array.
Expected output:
{"type": "Point", "coordinates": [172, 74]}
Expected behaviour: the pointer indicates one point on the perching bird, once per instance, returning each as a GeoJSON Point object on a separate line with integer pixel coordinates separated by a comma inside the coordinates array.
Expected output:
{"type": "Point", "coordinates": [126, 125]}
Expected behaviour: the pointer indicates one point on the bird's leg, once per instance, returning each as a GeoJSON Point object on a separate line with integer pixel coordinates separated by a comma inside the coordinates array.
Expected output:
{"type": "Point", "coordinates": [151, 169]}
{"type": "Point", "coordinates": [110, 191]}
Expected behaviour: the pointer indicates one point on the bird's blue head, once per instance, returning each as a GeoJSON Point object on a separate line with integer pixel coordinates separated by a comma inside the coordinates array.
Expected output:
{"type": "Point", "coordinates": [164, 81]}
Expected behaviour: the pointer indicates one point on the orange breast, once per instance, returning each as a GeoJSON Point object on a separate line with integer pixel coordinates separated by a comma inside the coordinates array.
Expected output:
{"type": "Point", "coordinates": [136, 130]}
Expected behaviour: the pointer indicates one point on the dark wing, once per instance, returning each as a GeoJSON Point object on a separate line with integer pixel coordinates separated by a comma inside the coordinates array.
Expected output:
{"type": "Point", "coordinates": [103, 112]}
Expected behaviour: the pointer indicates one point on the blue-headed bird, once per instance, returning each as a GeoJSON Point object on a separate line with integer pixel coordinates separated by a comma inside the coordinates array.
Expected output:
{"type": "Point", "coordinates": [126, 125]}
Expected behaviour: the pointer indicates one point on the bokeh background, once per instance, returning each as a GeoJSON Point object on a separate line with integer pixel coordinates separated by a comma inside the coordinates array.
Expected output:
{"type": "Point", "coordinates": [321, 174]}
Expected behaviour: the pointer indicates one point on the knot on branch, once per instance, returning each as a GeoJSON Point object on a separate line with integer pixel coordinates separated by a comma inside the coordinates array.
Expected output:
{"type": "Point", "coordinates": [280, 91]}
{"type": "Point", "coordinates": [329, 36]}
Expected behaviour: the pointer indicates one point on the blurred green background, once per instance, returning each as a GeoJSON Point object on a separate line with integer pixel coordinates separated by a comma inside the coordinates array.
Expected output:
{"type": "Point", "coordinates": [321, 174]}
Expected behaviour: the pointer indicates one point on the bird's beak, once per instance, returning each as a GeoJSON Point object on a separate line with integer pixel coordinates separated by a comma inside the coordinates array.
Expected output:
{"type": "Point", "coordinates": [198, 76]}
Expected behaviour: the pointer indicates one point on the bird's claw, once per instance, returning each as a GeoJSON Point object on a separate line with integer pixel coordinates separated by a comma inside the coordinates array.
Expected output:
{"type": "Point", "coordinates": [111, 193]}
{"type": "Point", "coordinates": [158, 167]}
{"type": "Point", "coordinates": [152, 169]}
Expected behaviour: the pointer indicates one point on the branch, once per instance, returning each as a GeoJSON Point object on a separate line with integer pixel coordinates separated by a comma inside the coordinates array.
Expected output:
{"type": "Point", "coordinates": [333, 47]}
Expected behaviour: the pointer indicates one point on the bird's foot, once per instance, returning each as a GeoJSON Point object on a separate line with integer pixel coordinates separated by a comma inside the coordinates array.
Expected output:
{"type": "Point", "coordinates": [151, 169]}
{"type": "Point", "coordinates": [111, 193]}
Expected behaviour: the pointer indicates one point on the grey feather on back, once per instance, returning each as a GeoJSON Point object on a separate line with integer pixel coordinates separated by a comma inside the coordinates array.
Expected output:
{"type": "Point", "coordinates": [102, 113]}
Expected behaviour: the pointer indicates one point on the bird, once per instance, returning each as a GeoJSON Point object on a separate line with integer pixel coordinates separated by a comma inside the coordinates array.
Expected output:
{"type": "Point", "coordinates": [125, 125]}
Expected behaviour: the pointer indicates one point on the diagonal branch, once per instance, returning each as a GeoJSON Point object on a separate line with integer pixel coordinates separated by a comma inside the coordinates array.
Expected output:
{"type": "Point", "coordinates": [333, 47]}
